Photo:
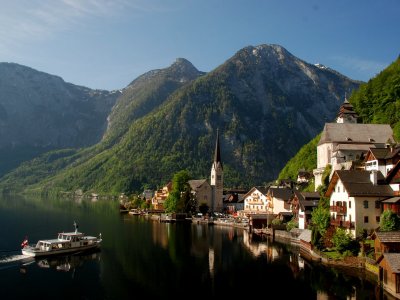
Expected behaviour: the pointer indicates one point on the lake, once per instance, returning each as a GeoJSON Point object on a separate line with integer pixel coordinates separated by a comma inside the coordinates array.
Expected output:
{"type": "Point", "coordinates": [144, 258]}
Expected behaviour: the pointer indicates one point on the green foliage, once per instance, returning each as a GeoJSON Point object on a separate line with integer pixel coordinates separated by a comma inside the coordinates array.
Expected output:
{"type": "Point", "coordinates": [325, 180]}
{"type": "Point", "coordinates": [305, 159]}
{"type": "Point", "coordinates": [293, 223]}
{"type": "Point", "coordinates": [276, 221]}
{"type": "Point", "coordinates": [344, 243]}
{"type": "Point", "coordinates": [320, 218]}
{"type": "Point", "coordinates": [390, 221]}
{"type": "Point", "coordinates": [179, 196]}
{"type": "Point", "coordinates": [378, 101]}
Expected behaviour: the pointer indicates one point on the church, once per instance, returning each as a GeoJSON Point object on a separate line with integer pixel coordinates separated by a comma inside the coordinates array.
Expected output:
{"type": "Point", "coordinates": [211, 193]}
{"type": "Point", "coordinates": [346, 141]}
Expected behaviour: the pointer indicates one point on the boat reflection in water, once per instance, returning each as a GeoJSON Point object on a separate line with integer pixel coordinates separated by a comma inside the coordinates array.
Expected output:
{"type": "Point", "coordinates": [68, 263]}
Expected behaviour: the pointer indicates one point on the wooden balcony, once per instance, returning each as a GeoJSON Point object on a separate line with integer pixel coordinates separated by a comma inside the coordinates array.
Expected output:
{"type": "Point", "coordinates": [339, 209]}
{"type": "Point", "coordinates": [341, 223]}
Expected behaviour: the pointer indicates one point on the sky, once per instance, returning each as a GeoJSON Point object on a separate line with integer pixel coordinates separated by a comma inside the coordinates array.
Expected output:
{"type": "Point", "coordinates": [106, 44]}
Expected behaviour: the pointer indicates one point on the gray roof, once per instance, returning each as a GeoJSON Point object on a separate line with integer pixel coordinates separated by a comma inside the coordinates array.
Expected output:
{"type": "Point", "coordinates": [388, 236]}
{"type": "Point", "coordinates": [356, 133]}
{"type": "Point", "coordinates": [305, 236]}
{"type": "Point", "coordinates": [393, 260]}
{"type": "Point", "coordinates": [195, 184]}
{"type": "Point", "coordinates": [358, 183]}
{"type": "Point", "coordinates": [281, 193]}
{"type": "Point", "coordinates": [391, 200]}
{"type": "Point", "coordinates": [385, 153]}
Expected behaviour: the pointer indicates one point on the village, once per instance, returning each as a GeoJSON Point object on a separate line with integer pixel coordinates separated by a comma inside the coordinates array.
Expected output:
{"type": "Point", "coordinates": [363, 164]}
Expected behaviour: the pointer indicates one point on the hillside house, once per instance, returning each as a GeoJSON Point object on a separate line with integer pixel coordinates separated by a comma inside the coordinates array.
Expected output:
{"type": "Point", "coordinates": [344, 142]}
{"type": "Point", "coordinates": [382, 159]}
{"type": "Point", "coordinates": [302, 205]}
{"type": "Point", "coordinates": [355, 199]}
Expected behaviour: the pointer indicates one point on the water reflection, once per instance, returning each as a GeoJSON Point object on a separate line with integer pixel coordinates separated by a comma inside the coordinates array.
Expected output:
{"type": "Point", "coordinates": [68, 263]}
{"type": "Point", "coordinates": [160, 260]}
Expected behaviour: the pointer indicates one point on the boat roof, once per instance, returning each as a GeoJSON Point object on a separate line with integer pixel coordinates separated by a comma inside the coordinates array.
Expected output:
{"type": "Point", "coordinates": [71, 233]}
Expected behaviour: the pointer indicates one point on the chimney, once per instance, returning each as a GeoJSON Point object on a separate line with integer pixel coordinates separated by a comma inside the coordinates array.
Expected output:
{"type": "Point", "coordinates": [373, 176]}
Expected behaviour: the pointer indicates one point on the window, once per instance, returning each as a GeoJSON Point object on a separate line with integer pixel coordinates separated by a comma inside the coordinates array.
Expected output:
{"type": "Point", "coordinates": [378, 219]}
{"type": "Point", "coordinates": [349, 204]}
{"type": "Point", "coordinates": [366, 219]}
{"type": "Point", "coordinates": [365, 203]}
{"type": "Point", "coordinates": [338, 189]}
{"type": "Point", "coordinates": [377, 204]}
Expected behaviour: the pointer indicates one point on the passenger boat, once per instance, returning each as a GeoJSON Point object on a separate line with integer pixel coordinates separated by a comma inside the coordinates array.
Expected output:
{"type": "Point", "coordinates": [66, 242]}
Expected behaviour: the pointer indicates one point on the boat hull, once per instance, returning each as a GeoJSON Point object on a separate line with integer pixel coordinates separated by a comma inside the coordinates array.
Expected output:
{"type": "Point", "coordinates": [35, 252]}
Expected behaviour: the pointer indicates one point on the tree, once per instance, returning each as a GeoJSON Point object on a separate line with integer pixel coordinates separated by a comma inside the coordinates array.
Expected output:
{"type": "Point", "coordinates": [178, 198]}
{"type": "Point", "coordinates": [320, 219]}
{"type": "Point", "coordinates": [389, 221]}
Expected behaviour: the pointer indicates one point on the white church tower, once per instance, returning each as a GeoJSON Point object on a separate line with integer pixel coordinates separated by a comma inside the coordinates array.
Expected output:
{"type": "Point", "coordinates": [217, 179]}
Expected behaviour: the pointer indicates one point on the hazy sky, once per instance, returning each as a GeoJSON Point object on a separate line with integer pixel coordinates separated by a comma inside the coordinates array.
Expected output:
{"type": "Point", "coordinates": [106, 44]}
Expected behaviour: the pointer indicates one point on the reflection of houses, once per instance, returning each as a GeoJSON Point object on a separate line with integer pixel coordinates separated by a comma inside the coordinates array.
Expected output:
{"type": "Point", "coordinates": [201, 190]}
{"type": "Point", "coordinates": [346, 141]}
{"type": "Point", "coordinates": [355, 198]}
{"type": "Point", "coordinates": [256, 201]}
{"type": "Point", "coordinates": [303, 203]}
{"type": "Point", "coordinates": [160, 196]}
{"type": "Point", "coordinates": [259, 248]}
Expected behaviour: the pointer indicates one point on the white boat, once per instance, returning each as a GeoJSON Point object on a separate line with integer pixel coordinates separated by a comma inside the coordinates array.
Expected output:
{"type": "Point", "coordinates": [66, 242]}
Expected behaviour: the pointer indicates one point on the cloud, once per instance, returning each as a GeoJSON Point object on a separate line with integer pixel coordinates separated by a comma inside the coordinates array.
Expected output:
{"type": "Point", "coordinates": [35, 20]}
{"type": "Point", "coordinates": [359, 65]}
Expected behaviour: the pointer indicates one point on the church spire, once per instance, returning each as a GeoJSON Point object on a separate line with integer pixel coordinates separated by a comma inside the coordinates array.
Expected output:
{"type": "Point", "coordinates": [217, 153]}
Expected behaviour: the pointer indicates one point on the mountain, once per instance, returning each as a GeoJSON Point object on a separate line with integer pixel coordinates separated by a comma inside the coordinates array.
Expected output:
{"type": "Point", "coordinates": [265, 102]}
{"type": "Point", "coordinates": [376, 102]}
{"type": "Point", "coordinates": [40, 112]}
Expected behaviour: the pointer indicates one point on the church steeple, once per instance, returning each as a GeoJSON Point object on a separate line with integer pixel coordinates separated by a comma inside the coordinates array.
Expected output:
{"type": "Point", "coordinates": [217, 152]}
{"type": "Point", "coordinates": [217, 178]}
{"type": "Point", "coordinates": [346, 113]}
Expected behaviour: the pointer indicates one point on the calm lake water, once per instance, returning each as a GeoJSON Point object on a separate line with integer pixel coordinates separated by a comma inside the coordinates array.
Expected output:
{"type": "Point", "coordinates": [144, 258]}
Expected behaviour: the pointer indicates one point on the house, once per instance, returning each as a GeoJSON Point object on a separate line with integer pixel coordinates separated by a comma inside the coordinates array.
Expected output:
{"type": "Point", "coordinates": [393, 179]}
{"type": "Point", "coordinates": [386, 242]}
{"type": "Point", "coordinates": [279, 198]}
{"type": "Point", "coordinates": [346, 141]}
{"type": "Point", "coordinates": [202, 191]}
{"type": "Point", "coordinates": [302, 205]}
{"type": "Point", "coordinates": [148, 194]}
{"type": "Point", "coordinates": [355, 199]}
{"type": "Point", "coordinates": [303, 177]}
{"type": "Point", "coordinates": [233, 201]}
{"type": "Point", "coordinates": [389, 273]}
{"type": "Point", "coordinates": [256, 201]}
{"type": "Point", "coordinates": [160, 196]}
{"type": "Point", "coordinates": [382, 159]}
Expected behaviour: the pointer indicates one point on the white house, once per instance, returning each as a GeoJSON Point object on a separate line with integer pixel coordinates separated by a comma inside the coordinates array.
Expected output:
{"type": "Point", "coordinates": [256, 201]}
{"type": "Point", "coordinates": [345, 141]}
{"type": "Point", "coordinates": [355, 199]}
{"type": "Point", "coordinates": [280, 198]}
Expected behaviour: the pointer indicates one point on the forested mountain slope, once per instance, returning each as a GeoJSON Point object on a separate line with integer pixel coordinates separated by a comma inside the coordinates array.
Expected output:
{"type": "Point", "coordinates": [265, 102]}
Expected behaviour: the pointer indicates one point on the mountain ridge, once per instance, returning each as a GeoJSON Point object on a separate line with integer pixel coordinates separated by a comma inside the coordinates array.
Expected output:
{"type": "Point", "coordinates": [266, 103]}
